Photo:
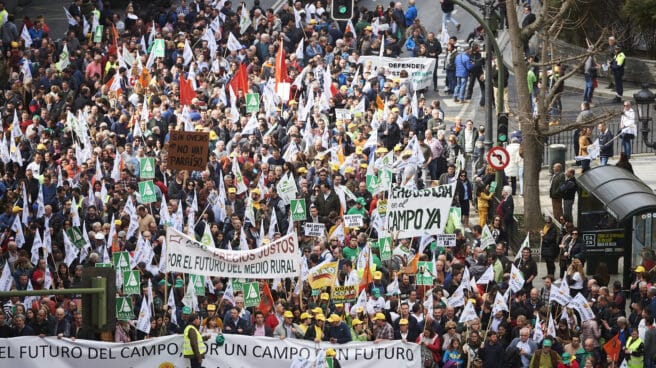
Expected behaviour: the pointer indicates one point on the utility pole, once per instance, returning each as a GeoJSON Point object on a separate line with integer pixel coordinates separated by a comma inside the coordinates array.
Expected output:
{"type": "Point", "coordinates": [489, 111]}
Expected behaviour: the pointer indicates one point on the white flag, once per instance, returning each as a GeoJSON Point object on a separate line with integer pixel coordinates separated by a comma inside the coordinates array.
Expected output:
{"type": "Point", "coordinates": [487, 276]}
{"type": "Point", "coordinates": [233, 43]}
{"type": "Point", "coordinates": [273, 224]}
{"type": "Point", "coordinates": [538, 335]}
{"type": "Point", "coordinates": [499, 303]}
{"type": "Point", "coordinates": [239, 179]}
{"type": "Point", "coordinates": [18, 229]}
{"type": "Point", "coordinates": [187, 54]}
{"type": "Point", "coordinates": [525, 244]}
{"type": "Point", "coordinates": [516, 279]}
{"type": "Point", "coordinates": [299, 50]}
{"type": "Point", "coordinates": [71, 20]}
{"type": "Point", "coordinates": [25, 35]}
{"type": "Point", "coordinates": [244, 19]}
{"type": "Point", "coordinates": [6, 280]}
{"type": "Point", "coordinates": [468, 314]}
{"type": "Point", "coordinates": [486, 237]}
{"type": "Point", "coordinates": [36, 246]}
{"type": "Point", "coordinates": [172, 307]}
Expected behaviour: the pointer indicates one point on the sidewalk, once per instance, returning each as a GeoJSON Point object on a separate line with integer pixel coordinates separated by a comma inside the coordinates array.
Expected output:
{"type": "Point", "coordinates": [576, 82]}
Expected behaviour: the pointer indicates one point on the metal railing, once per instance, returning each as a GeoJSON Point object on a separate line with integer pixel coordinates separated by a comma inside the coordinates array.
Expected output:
{"type": "Point", "coordinates": [567, 138]}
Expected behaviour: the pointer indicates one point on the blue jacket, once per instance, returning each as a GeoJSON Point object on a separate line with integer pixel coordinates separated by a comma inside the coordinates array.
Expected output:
{"type": "Point", "coordinates": [463, 65]}
{"type": "Point", "coordinates": [410, 15]}
{"type": "Point", "coordinates": [340, 332]}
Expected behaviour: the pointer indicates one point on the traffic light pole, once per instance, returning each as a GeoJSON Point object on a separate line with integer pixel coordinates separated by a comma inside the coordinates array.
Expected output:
{"type": "Point", "coordinates": [490, 43]}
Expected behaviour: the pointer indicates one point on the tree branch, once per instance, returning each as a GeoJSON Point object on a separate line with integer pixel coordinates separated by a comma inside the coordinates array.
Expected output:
{"type": "Point", "coordinates": [542, 19]}
{"type": "Point", "coordinates": [595, 120]}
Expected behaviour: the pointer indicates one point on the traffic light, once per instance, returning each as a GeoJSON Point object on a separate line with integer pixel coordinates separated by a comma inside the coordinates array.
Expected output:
{"type": "Point", "coordinates": [502, 128]}
{"type": "Point", "coordinates": [342, 10]}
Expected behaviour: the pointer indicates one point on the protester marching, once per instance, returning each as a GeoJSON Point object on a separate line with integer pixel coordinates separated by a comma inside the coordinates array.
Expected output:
{"type": "Point", "coordinates": [273, 188]}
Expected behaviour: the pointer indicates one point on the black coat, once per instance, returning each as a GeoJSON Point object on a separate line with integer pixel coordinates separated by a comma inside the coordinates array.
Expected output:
{"type": "Point", "coordinates": [549, 243]}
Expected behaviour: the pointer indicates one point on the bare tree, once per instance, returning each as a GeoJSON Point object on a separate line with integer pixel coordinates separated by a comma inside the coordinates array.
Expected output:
{"type": "Point", "coordinates": [534, 124]}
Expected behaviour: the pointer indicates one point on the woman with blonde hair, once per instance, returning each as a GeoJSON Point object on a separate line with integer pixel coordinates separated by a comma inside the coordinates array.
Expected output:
{"type": "Point", "coordinates": [575, 277]}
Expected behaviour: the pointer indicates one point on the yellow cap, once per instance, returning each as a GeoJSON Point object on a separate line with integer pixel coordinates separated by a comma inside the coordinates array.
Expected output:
{"type": "Point", "coordinates": [403, 321]}
{"type": "Point", "coordinates": [349, 170]}
{"type": "Point", "coordinates": [180, 45]}
{"type": "Point", "coordinates": [118, 222]}
{"type": "Point", "coordinates": [363, 165]}
{"type": "Point", "coordinates": [330, 352]}
{"type": "Point", "coordinates": [381, 150]}
{"type": "Point", "coordinates": [379, 317]}
{"type": "Point", "coordinates": [41, 147]}
{"type": "Point", "coordinates": [355, 322]}
{"type": "Point", "coordinates": [305, 315]}
{"type": "Point", "coordinates": [398, 147]}
{"type": "Point", "coordinates": [359, 310]}
{"type": "Point", "coordinates": [334, 318]}
{"type": "Point", "coordinates": [339, 305]}
{"type": "Point", "coordinates": [211, 307]}
{"type": "Point", "coordinates": [288, 314]}
{"type": "Point", "coordinates": [302, 170]}
{"type": "Point", "coordinates": [317, 310]}
{"type": "Point", "coordinates": [325, 296]}
{"type": "Point", "coordinates": [358, 150]}
{"type": "Point", "coordinates": [639, 269]}
{"type": "Point", "coordinates": [320, 317]}
{"type": "Point", "coordinates": [16, 209]}
{"type": "Point", "coordinates": [232, 190]}
{"type": "Point", "coordinates": [378, 275]}
{"type": "Point", "coordinates": [213, 136]}
{"type": "Point", "coordinates": [14, 44]}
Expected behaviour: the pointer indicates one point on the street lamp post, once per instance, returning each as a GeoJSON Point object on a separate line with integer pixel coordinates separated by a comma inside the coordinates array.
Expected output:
{"type": "Point", "coordinates": [644, 100]}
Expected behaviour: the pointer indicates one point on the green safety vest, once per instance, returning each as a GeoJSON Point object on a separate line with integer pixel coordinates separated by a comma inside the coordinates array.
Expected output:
{"type": "Point", "coordinates": [186, 346]}
{"type": "Point", "coordinates": [634, 361]}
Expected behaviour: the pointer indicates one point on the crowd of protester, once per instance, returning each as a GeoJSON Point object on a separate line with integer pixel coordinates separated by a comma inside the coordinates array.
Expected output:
{"type": "Point", "coordinates": [58, 178]}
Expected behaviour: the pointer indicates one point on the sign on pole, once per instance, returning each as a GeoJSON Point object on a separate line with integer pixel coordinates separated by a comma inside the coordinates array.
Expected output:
{"type": "Point", "coordinates": [425, 273]}
{"type": "Point", "coordinates": [147, 192]}
{"type": "Point", "coordinates": [158, 47]}
{"type": "Point", "coordinates": [97, 33]}
{"type": "Point", "coordinates": [298, 210]}
{"type": "Point", "coordinates": [188, 150]}
{"type": "Point", "coordinates": [251, 294]}
{"type": "Point", "coordinates": [121, 261]}
{"type": "Point", "coordinates": [385, 246]}
{"type": "Point", "coordinates": [124, 309]}
{"type": "Point", "coordinates": [147, 168]}
{"type": "Point", "coordinates": [199, 283]}
{"type": "Point", "coordinates": [131, 283]}
{"type": "Point", "coordinates": [446, 240]}
{"type": "Point", "coordinates": [238, 285]}
{"type": "Point", "coordinates": [252, 102]}
{"type": "Point", "coordinates": [75, 235]}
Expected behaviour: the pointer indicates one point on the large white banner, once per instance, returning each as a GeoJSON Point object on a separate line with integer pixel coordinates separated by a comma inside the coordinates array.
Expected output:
{"type": "Point", "coordinates": [166, 352]}
{"type": "Point", "coordinates": [420, 70]}
{"type": "Point", "coordinates": [278, 259]}
{"type": "Point", "coordinates": [416, 212]}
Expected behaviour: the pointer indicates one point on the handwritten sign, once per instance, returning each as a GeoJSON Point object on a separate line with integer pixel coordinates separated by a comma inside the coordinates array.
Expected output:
{"type": "Point", "coordinates": [188, 150]}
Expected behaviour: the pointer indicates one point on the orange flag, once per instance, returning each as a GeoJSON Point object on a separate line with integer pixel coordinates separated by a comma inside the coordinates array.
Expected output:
{"type": "Point", "coordinates": [187, 93]}
{"type": "Point", "coordinates": [380, 104]}
{"type": "Point", "coordinates": [367, 278]}
{"type": "Point", "coordinates": [239, 81]}
{"type": "Point", "coordinates": [412, 267]}
{"type": "Point", "coordinates": [266, 300]}
{"type": "Point", "coordinates": [613, 347]}
{"type": "Point", "coordinates": [281, 67]}
{"type": "Point", "coordinates": [144, 78]}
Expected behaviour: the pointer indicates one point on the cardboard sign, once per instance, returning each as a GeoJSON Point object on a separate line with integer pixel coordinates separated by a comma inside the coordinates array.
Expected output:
{"type": "Point", "coordinates": [131, 283]}
{"type": "Point", "coordinates": [299, 212]}
{"type": "Point", "coordinates": [124, 309]}
{"type": "Point", "coordinates": [251, 294]}
{"type": "Point", "coordinates": [414, 212]}
{"type": "Point", "coordinates": [188, 150]}
{"type": "Point", "coordinates": [353, 220]}
{"type": "Point", "coordinates": [147, 168]}
{"type": "Point", "coordinates": [446, 240]}
{"type": "Point", "coordinates": [342, 114]}
{"type": "Point", "coordinates": [314, 229]}
{"type": "Point", "coordinates": [147, 192]}
{"type": "Point", "coordinates": [344, 294]}
{"type": "Point", "coordinates": [252, 102]}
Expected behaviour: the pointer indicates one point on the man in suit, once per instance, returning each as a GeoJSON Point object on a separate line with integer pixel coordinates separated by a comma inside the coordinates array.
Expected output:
{"type": "Point", "coordinates": [506, 210]}
{"type": "Point", "coordinates": [326, 202]}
